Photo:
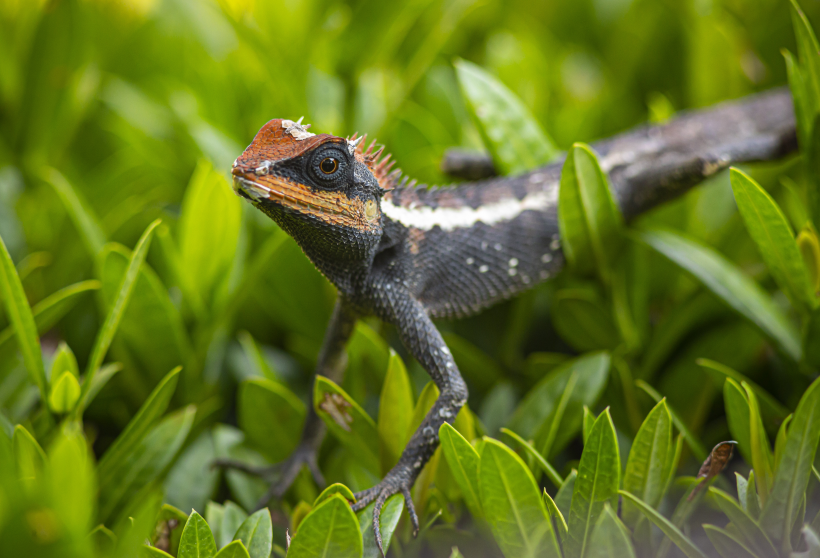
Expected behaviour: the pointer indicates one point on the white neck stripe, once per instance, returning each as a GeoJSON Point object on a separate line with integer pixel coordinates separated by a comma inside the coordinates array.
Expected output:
{"type": "Point", "coordinates": [449, 218]}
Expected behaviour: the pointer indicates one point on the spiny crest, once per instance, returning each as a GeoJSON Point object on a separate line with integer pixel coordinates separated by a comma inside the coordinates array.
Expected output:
{"type": "Point", "coordinates": [380, 164]}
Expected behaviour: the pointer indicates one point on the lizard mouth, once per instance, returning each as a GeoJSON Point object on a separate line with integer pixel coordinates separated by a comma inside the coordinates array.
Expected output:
{"type": "Point", "coordinates": [331, 207]}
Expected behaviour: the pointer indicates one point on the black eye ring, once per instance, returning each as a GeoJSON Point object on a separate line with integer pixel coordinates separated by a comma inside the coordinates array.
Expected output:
{"type": "Point", "coordinates": [329, 165]}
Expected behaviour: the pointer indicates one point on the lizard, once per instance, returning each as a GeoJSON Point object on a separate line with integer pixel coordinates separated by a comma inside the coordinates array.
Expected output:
{"type": "Point", "coordinates": [409, 254]}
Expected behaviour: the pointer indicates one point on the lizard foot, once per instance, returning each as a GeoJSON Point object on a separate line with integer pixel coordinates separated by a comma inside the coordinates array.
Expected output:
{"type": "Point", "coordinates": [397, 482]}
{"type": "Point", "coordinates": [279, 476]}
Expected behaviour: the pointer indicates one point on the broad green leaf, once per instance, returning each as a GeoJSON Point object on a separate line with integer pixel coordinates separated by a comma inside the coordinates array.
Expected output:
{"type": "Point", "coordinates": [794, 469]}
{"type": "Point", "coordinates": [209, 226]}
{"type": "Point", "coordinates": [589, 221]}
{"type": "Point", "coordinates": [751, 533]}
{"type": "Point", "coordinates": [773, 236]}
{"type": "Point", "coordinates": [110, 466]}
{"type": "Point", "coordinates": [336, 488]}
{"type": "Point", "coordinates": [725, 280]}
{"type": "Point", "coordinates": [271, 417]}
{"type": "Point", "coordinates": [214, 513]}
{"type": "Point", "coordinates": [197, 540]}
{"type": "Point", "coordinates": [668, 528]}
{"type": "Point", "coordinates": [589, 420]}
{"type": "Point", "coordinates": [513, 136]}
{"type": "Point", "coordinates": [151, 325]}
{"type": "Point", "coordinates": [463, 461]}
{"type": "Point", "coordinates": [552, 412]}
{"type": "Point", "coordinates": [597, 484]}
{"type": "Point", "coordinates": [331, 529]}
{"type": "Point", "coordinates": [809, 245]}
{"type": "Point", "coordinates": [84, 219]}
{"type": "Point", "coordinates": [299, 514]}
{"type": "Point", "coordinates": [256, 533]}
{"type": "Point", "coordinates": [19, 314]}
{"type": "Point", "coordinates": [388, 521]}
{"type": "Point", "coordinates": [69, 477]}
{"type": "Point", "coordinates": [192, 481]}
{"type": "Point", "coordinates": [555, 514]}
{"type": "Point", "coordinates": [64, 393]}
{"type": "Point", "coordinates": [148, 460]}
{"type": "Point", "coordinates": [512, 504]}
{"type": "Point", "coordinates": [542, 463]}
{"type": "Point", "coordinates": [153, 552]}
{"type": "Point", "coordinates": [233, 550]}
{"type": "Point", "coordinates": [762, 459]}
{"type": "Point", "coordinates": [29, 457]}
{"type": "Point", "coordinates": [115, 313]}
{"type": "Point", "coordinates": [395, 412]}
{"type": "Point", "coordinates": [255, 356]}
{"type": "Point", "coordinates": [727, 544]}
{"type": "Point", "coordinates": [348, 422]}
{"type": "Point", "coordinates": [232, 519]}
{"type": "Point", "coordinates": [649, 463]}
{"type": "Point", "coordinates": [610, 539]}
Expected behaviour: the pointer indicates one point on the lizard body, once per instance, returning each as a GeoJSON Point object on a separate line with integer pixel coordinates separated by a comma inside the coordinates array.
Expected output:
{"type": "Point", "coordinates": [407, 253]}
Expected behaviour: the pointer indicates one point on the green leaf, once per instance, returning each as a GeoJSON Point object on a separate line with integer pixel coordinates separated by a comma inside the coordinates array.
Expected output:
{"type": "Point", "coordinates": [725, 280]}
{"type": "Point", "coordinates": [762, 460]}
{"type": "Point", "coordinates": [552, 412]}
{"type": "Point", "coordinates": [388, 521]}
{"type": "Point", "coordinates": [649, 463]}
{"type": "Point", "coordinates": [192, 481]}
{"type": "Point", "coordinates": [115, 313]}
{"type": "Point", "coordinates": [589, 420]}
{"type": "Point", "coordinates": [809, 52]}
{"type": "Point", "coordinates": [153, 552]}
{"type": "Point", "coordinates": [736, 403]}
{"type": "Point", "coordinates": [542, 463]}
{"type": "Point", "coordinates": [597, 484]}
{"type": "Point", "coordinates": [209, 226]}
{"type": "Point", "coordinates": [610, 539]}
{"type": "Point", "coordinates": [780, 440]}
{"type": "Point", "coordinates": [232, 519]}
{"type": "Point", "coordinates": [86, 222]}
{"type": "Point", "coordinates": [563, 498]}
{"type": "Point", "coordinates": [794, 469]}
{"type": "Point", "coordinates": [64, 361]}
{"type": "Point", "coordinates": [773, 236]}
{"type": "Point", "coordinates": [233, 550]}
{"type": "Point", "coordinates": [109, 469]}
{"type": "Point", "coordinates": [69, 477]}
{"type": "Point", "coordinates": [727, 544]}
{"type": "Point", "coordinates": [512, 504]}
{"type": "Point", "coordinates": [395, 412]}
{"type": "Point", "coordinates": [256, 533]}
{"type": "Point", "coordinates": [348, 422]}
{"type": "Point", "coordinates": [197, 540]}
{"type": "Point", "coordinates": [583, 320]}
{"type": "Point", "coordinates": [768, 404]}
{"type": "Point", "coordinates": [271, 417]}
{"type": "Point", "coordinates": [809, 245]}
{"type": "Point", "coordinates": [255, 356]}
{"type": "Point", "coordinates": [147, 461]}
{"type": "Point", "coordinates": [750, 531]}
{"type": "Point", "coordinates": [19, 314]}
{"type": "Point", "coordinates": [336, 488]}
{"type": "Point", "coordinates": [588, 218]}
{"type": "Point", "coordinates": [513, 136]}
{"type": "Point", "coordinates": [64, 393]}
{"type": "Point", "coordinates": [668, 528]}
{"type": "Point", "coordinates": [555, 514]}
{"type": "Point", "coordinates": [29, 457]}
{"type": "Point", "coordinates": [691, 440]}
{"type": "Point", "coordinates": [463, 461]}
{"type": "Point", "coordinates": [331, 529]}
{"type": "Point", "coordinates": [151, 325]}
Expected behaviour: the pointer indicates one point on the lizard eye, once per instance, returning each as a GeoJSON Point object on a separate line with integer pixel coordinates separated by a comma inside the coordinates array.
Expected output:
{"type": "Point", "coordinates": [329, 165]}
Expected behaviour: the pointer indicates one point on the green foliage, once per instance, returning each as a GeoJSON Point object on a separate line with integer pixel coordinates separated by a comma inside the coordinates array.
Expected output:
{"type": "Point", "coordinates": [125, 255]}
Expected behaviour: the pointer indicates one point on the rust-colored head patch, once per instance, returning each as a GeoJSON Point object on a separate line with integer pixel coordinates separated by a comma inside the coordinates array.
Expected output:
{"type": "Point", "coordinates": [256, 177]}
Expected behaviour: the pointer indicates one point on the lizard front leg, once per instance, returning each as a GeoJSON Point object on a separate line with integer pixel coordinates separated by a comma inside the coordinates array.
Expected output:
{"type": "Point", "coordinates": [421, 337]}
{"type": "Point", "coordinates": [331, 364]}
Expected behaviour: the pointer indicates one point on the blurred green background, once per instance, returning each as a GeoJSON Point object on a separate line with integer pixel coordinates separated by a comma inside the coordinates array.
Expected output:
{"type": "Point", "coordinates": [115, 113]}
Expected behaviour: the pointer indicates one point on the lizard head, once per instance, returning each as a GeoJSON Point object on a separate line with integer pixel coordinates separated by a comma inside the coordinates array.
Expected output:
{"type": "Point", "coordinates": [323, 190]}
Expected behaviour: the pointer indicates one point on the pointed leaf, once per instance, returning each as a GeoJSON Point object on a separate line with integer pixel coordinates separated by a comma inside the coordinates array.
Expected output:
{"type": "Point", "coordinates": [751, 533]}
{"type": "Point", "coordinates": [727, 544]}
{"type": "Point", "coordinates": [725, 280]}
{"type": "Point", "coordinates": [610, 539]}
{"type": "Point", "coordinates": [668, 528]}
{"type": "Point", "coordinates": [395, 412]}
{"type": "Point", "coordinates": [64, 393]}
{"type": "Point", "coordinates": [542, 463]}
{"type": "Point", "coordinates": [233, 550]}
{"type": "Point", "coordinates": [556, 515]}
{"type": "Point", "coordinates": [197, 540]}
{"type": "Point", "coordinates": [463, 461]}
{"type": "Point", "coordinates": [232, 519]}
{"type": "Point", "coordinates": [256, 533]}
{"type": "Point", "coordinates": [271, 417]}
{"type": "Point", "coordinates": [388, 521]}
{"type": "Point", "coordinates": [597, 484]}
{"type": "Point", "coordinates": [331, 529]}
{"type": "Point", "coordinates": [336, 488]}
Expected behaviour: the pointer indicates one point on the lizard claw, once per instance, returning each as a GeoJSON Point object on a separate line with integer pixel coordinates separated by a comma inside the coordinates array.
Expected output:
{"type": "Point", "coordinates": [279, 476]}
{"type": "Point", "coordinates": [392, 484]}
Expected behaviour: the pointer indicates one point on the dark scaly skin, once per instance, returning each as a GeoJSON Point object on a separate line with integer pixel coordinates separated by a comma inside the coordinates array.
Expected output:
{"type": "Point", "coordinates": [407, 275]}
